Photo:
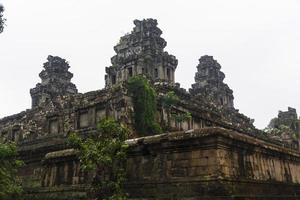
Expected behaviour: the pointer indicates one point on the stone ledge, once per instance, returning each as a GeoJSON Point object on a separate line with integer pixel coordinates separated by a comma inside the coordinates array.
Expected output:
{"type": "Point", "coordinates": [62, 153]}
{"type": "Point", "coordinates": [205, 132]}
{"type": "Point", "coordinates": [57, 193]}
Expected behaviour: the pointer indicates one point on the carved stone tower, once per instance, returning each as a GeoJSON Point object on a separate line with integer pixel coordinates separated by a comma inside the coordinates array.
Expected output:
{"type": "Point", "coordinates": [56, 80]}
{"type": "Point", "coordinates": [141, 52]}
{"type": "Point", "coordinates": [209, 82]}
{"type": "Point", "coordinates": [290, 119]}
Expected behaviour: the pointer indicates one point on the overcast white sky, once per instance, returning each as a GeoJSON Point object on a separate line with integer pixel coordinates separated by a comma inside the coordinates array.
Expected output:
{"type": "Point", "coordinates": [257, 43]}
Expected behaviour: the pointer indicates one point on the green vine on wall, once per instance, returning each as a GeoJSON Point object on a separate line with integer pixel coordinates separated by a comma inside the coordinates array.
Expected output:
{"type": "Point", "coordinates": [105, 153]}
{"type": "Point", "coordinates": [144, 103]}
{"type": "Point", "coordinates": [170, 100]}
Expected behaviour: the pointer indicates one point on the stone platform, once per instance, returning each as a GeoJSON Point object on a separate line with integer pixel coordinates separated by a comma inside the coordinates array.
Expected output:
{"type": "Point", "coordinates": [209, 163]}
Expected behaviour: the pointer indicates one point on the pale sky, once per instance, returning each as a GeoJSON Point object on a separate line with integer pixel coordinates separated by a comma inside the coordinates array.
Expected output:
{"type": "Point", "coordinates": [257, 43]}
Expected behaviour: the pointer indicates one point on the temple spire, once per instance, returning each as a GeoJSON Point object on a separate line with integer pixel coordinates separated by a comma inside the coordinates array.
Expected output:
{"type": "Point", "coordinates": [141, 52]}
{"type": "Point", "coordinates": [56, 80]}
{"type": "Point", "coordinates": [209, 82]}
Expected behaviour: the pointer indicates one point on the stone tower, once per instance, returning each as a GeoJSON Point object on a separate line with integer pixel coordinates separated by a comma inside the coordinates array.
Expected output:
{"type": "Point", "coordinates": [56, 80]}
{"type": "Point", "coordinates": [209, 82]}
{"type": "Point", "coordinates": [141, 52]}
{"type": "Point", "coordinates": [288, 118]}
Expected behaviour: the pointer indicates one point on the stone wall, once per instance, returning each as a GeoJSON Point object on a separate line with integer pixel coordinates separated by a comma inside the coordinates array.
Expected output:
{"type": "Point", "coordinates": [65, 114]}
{"type": "Point", "coordinates": [211, 163]}
{"type": "Point", "coordinates": [81, 112]}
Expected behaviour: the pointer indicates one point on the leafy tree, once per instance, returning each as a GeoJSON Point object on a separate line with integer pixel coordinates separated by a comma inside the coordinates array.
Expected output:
{"type": "Point", "coordinates": [144, 103]}
{"type": "Point", "coordinates": [2, 20]}
{"type": "Point", "coordinates": [10, 187]}
{"type": "Point", "coordinates": [105, 153]}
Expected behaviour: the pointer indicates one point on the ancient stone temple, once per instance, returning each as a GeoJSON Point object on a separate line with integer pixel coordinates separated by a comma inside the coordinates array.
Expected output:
{"type": "Point", "coordinates": [141, 52]}
{"type": "Point", "coordinates": [209, 82]}
{"type": "Point", "coordinates": [217, 153]}
{"type": "Point", "coordinates": [56, 80]}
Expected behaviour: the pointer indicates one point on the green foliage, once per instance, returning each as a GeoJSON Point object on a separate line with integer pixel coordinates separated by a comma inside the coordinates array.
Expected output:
{"type": "Point", "coordinates": [2, 20]}
{"type": "Point", "coordinates": [182, 117]}
{"type": "Point", "coordinates": [169, 100]}
{"type": "Point", "coordinates": [144, 102]}
{"type": "Point", "coordinates": [104, 152]}
{"type": "Point", "coordinates": [10, 187]}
